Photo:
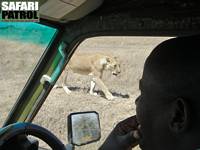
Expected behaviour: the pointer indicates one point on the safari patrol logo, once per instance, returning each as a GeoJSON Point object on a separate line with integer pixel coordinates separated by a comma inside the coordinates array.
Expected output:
{"type": "Point", "coordinates": [20, 11]}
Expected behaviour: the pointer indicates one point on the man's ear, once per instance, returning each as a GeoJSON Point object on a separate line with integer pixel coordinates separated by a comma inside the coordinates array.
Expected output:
{"type": "Point", "coordinates": [179, 116]}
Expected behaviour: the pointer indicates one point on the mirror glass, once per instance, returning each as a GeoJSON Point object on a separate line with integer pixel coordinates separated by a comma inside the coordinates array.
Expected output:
{"type": "Point", "coordinates": [85, 128]}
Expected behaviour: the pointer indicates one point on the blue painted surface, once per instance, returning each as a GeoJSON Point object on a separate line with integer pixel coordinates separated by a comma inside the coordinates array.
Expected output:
{"type": "Point", "coordinates": [26, 32]}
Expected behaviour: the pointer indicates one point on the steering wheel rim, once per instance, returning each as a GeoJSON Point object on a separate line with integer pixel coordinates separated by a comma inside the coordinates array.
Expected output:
{"type": "Point", "coordinates": [15, 129]}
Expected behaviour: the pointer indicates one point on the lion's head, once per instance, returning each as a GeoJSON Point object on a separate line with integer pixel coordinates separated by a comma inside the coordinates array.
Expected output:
{"type": "Point", "coordinates": [113, 65]}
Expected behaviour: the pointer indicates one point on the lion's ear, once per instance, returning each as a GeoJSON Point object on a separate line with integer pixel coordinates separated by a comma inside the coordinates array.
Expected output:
{"type": "Point", "coordinates": [103, 61]}
{"type": "Point", "coordinates": [116, 58]}
{"type": "Point", "coordinates": [107, 59]}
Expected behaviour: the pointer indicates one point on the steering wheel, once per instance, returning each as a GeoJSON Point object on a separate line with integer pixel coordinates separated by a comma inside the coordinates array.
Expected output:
{"type": "Point", "coordinates": [9, 132]}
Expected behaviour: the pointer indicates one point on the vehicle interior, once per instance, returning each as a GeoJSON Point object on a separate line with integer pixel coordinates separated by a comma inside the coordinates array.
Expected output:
{"type": "Point", "coordinates": [75, 21]}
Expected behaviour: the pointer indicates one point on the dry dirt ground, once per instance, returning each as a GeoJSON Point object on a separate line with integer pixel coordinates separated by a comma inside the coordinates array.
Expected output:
{"type": "Point", "coordinates": [17, 61]}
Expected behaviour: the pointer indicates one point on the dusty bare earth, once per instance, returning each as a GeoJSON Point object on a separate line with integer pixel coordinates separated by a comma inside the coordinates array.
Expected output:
{"type": "Point", "coordinates": [17, 61]}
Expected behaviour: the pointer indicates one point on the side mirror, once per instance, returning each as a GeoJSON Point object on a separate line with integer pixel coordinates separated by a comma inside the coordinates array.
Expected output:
{"type": "Point", "coordinates": [83, 128]}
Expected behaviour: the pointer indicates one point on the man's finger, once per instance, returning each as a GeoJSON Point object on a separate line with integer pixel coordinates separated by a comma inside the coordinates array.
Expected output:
{"type": "Point", "coordinates": [130, 139]}
{"type": "Point", "coordinates": [127, 125]}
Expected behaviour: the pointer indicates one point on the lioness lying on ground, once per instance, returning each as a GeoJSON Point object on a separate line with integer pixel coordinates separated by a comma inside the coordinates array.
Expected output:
{"type": "Point", "coordinates": [92, 64]}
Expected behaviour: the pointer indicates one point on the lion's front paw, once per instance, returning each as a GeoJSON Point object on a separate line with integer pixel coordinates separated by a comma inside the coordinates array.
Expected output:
{"type": "Point", "coordinates": [110, 97]}
{"type": "Point", "coordinates": [94, 93]}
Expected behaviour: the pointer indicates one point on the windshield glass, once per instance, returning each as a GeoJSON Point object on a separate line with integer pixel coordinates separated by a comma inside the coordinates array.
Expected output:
{"type": "Point", "coordinates": [76, 90]}
{"type": "Point", "coordinates": [22, 44]}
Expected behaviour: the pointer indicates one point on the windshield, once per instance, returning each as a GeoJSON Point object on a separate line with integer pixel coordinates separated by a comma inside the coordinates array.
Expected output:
{"type": "Point", "coordinates": [22, 44]}
{"type": "Point", "coordinates": [75, 90]}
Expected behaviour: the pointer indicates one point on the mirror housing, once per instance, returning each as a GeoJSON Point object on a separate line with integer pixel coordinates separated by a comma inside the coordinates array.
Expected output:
{"type": "Point", "coordinates": [83, 128]}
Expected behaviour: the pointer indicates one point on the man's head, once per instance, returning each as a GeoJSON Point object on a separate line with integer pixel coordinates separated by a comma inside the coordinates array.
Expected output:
{"type": "Point", "coordinates": [169, 105]}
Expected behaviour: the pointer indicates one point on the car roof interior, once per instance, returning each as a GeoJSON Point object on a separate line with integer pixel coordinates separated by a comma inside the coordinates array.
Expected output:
{"type": "Point", "coordinates": [67, 10]}
{"type": "Point", "coordinates": [119, 17]}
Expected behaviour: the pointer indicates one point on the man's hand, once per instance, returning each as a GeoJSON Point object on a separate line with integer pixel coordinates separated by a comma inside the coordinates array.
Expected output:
{"type": "Point", "coordinates": [123, 137]}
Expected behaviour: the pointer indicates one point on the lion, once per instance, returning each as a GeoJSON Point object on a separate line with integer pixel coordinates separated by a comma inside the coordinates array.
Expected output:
{"type": "Point", "coordinates": [94, 65]}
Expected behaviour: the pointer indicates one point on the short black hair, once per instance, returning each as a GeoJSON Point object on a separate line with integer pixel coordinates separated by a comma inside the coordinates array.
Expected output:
{"type": "Point", "coordinates": [173, 67]}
